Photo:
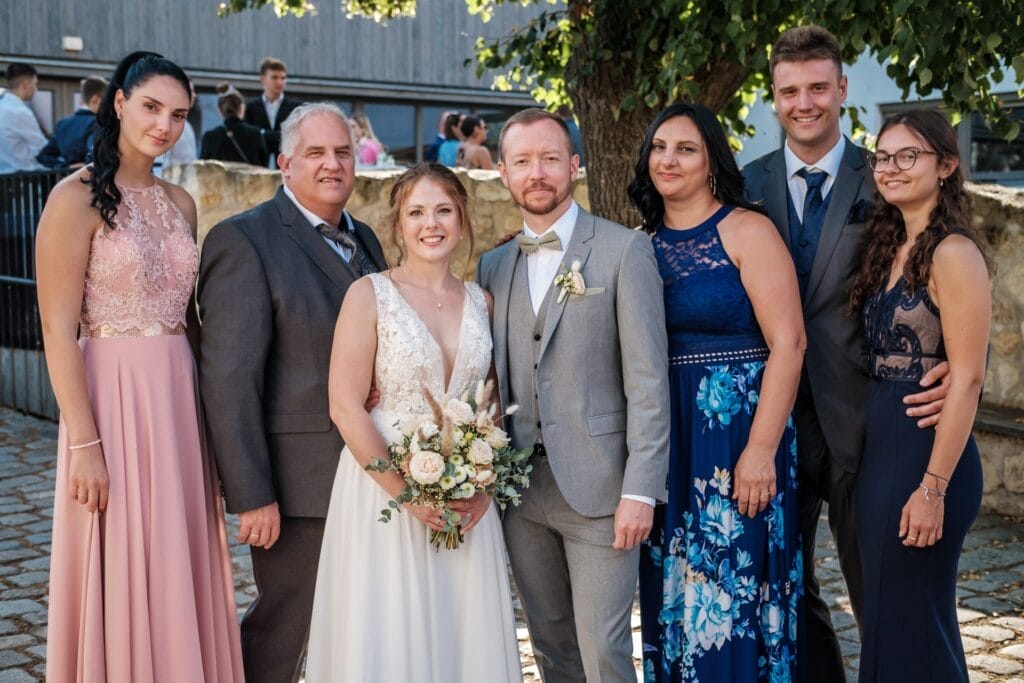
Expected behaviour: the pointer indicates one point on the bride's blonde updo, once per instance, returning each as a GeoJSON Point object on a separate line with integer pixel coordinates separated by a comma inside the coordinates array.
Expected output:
{"type": "Point", "coordinates": [452, 187]}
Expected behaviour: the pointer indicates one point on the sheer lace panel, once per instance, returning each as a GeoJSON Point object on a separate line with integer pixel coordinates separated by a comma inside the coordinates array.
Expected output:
{"type": "Point", "coordinates": [408, 358]}
{"type": "Point", "coordinates": [140, 276]}
{"type": "Point", "coordinates": [904, 333]}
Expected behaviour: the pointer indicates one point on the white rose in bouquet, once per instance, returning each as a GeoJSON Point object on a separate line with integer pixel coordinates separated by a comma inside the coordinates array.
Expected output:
{"type": "Point", "coordinates": [480, 453]}
{"type": "Point", "coordinates": [427, 429]}
{"type": "Point", "coordinates": [426, 467]}
{"type": "Point", "coordinates": [497, 438]}
{"type": "Point", "coordinates": [458, 411]}
{"type": "Point", "coordinates": [485, 477]}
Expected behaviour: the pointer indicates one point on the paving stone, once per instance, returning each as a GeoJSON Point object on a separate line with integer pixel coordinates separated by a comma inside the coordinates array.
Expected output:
{"type": "Point", "coordinates": [972, 644]}
{"type": "Point", "coordinates": [1016, 651]}
{"type": "Point", "coordinates": [964, 615]}
{"type": "Point", "coordinates": [977, 677]}
{"type": "Point", "coordinates": [7, 627]}
{"type": "Point", "coordinates": [17, 676]}
{"type": "Point", "coordinates": [18, 607]}
{"type": "Point", "coordinates": [992, 634]}
{"type": "Point", "coordinates": [10, 658]}
{"type": "Point", "coordinates": [991, 605]}
{"type": "Point", "coordinates": [1016, 623]}
{"type": "Point", "coordinates": [994, 664]}
{"type": "Point", "coordinates": [16, 640]}
{"type": "Point", "coordinates": [29, 579]}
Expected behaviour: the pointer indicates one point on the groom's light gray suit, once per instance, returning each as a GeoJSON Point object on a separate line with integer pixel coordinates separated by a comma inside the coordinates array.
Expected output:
{"type": "Point", "coordinates": [590, 375]}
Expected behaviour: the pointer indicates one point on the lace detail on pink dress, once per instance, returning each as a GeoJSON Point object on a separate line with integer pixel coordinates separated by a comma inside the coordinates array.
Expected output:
{"type": "Point", "coordinates": [140, 276]}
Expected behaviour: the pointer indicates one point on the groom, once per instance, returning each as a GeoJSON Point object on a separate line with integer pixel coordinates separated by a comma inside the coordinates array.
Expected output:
{"type": "Point", "coordinates": [589, 371]}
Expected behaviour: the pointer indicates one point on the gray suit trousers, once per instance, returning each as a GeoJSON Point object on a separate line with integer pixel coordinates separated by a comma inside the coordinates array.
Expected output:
{"type": "Point", "coordinates": [576, 589]}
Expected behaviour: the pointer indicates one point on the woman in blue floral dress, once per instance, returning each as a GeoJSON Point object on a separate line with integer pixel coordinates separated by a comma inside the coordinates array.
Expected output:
{"type": "Point", "coordinates": [720, 577]}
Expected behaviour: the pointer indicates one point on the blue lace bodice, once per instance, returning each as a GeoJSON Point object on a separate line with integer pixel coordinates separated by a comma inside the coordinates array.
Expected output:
{"type": "Point", "coordinates": [903, 332]}
{"type": "Point", "coordinates": [706, 306]}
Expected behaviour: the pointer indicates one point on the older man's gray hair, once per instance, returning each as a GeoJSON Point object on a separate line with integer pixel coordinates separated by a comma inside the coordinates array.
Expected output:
{"type": "Point", "coordinates": [288, 129]}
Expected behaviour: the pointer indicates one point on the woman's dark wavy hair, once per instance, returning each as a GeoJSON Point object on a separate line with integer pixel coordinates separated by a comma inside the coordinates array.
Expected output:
{"type": "Point", "coordinates": [886, 230]}
{"type": "Point", "coordinates": [721, 165]}
{"type": "Point", "coordinates": [132, 71]}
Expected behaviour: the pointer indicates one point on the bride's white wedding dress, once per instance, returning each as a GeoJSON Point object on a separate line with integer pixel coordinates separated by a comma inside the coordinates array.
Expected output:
{"type": "Point", "coordinates": [389, 608]}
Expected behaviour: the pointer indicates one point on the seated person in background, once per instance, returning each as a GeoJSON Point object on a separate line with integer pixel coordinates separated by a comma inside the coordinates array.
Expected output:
{"type": "Point", "coordinates": [449, 149]}
{"type": "Point", "coordinates": [71, 144]}
{"type": "Point", "coordinates": [369, 150]}
{"type": "Point", "coordinates": [234, 140]}
{"type": "Point", "coordinates": [472, 153]}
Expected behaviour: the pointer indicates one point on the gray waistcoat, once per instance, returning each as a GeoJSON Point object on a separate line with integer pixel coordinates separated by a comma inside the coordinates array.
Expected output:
{"type": "Point", "coordinates": [524, 334]}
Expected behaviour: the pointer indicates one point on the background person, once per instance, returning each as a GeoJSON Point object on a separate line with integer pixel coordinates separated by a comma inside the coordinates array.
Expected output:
{"type": "Point", "coordinates": [73, 136]}
{"type": "Point", "coordinates": [21, 137]}
{"type": "Point", "coordinates": [271, 109]}
{"type": "Point", "coordinates": [472, 152]}
{"type": "Point", "coordinates": [233, 140]}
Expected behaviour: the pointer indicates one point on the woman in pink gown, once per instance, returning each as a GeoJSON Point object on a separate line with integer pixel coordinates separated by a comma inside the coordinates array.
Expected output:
{"type": "Point", "coordinates": [140, 578]}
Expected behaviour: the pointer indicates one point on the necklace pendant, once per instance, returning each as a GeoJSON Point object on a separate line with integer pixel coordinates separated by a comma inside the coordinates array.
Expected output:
{"type": "Point", "coordinates": [440, 305]}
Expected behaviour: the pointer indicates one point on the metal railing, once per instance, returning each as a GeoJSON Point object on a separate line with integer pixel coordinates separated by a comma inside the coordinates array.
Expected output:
{"type": "Point", "coordinates": [24, 383]}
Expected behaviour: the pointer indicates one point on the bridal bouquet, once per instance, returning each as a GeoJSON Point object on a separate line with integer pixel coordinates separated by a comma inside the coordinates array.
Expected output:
{"type": "Point", "coordinates": [453, 453]}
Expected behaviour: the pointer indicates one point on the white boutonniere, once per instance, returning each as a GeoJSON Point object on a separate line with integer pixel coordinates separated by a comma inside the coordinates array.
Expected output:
{"type": "Point", "coordinates": [571, 282]}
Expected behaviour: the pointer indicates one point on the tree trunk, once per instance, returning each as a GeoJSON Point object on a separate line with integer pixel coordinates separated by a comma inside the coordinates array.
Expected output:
{"type": "Point", "coordinates": [611, 147]}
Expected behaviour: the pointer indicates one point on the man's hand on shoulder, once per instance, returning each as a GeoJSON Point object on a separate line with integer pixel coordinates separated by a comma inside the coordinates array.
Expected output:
{"type": "Point", "coordinates": [260, 527]}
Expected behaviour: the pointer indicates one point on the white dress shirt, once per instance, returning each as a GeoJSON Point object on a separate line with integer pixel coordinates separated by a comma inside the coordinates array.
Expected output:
{"type": "Point", "coordinates": [542, 267]}
{"type": "Point", "coordinates": [314, 220]}
{"type": "Point", "coordinates": [828, 163]}
{"type": "Point", "coordinates": [21, 139]}
{"type": "Point", "coordinates": [272, 108]}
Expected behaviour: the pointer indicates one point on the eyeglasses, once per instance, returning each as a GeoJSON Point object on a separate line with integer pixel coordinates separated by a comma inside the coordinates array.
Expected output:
{"type": "Point", "coordinates": [904, 158]}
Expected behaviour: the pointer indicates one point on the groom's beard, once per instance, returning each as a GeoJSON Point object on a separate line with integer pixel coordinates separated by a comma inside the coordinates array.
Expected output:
{"type": "Point", "coordinates": [540, 206]}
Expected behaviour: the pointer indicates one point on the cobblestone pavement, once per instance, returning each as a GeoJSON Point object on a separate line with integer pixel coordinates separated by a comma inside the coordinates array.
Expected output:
{"type": "Point", "coordinates": [991, 589]}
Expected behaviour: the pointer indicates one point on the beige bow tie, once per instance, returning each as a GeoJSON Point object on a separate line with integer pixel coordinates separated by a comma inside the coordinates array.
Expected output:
{"type": "Point", "coordinates": [548, 240]}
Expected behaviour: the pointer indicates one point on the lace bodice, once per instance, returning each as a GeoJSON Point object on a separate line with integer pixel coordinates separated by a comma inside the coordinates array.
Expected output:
{"type": "Point", "coordinates": [140, 276]}
{"type": "Point", "coordinates": [705, 302]}
{"type": "Point", "coordinates": [904, 333]}
{"type": "Point", "coordinates": [408, 357]}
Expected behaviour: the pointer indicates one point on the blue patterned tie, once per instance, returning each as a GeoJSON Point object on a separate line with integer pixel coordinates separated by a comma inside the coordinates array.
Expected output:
{"type": "Point", "coordinates": [359, 258]}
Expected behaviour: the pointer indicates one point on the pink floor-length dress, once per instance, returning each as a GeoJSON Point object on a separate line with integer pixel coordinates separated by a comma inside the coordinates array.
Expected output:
{"type": "Point", "coordinates": [142, 592]}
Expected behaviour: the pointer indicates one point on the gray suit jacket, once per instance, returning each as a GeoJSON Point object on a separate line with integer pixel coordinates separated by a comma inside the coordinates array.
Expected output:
{"type": "Point", "coordinates": [835, 344]}
{"type": "Point", "coordinates": [269, 293]}
{"type": "Point", "coordinates": [602, 373]}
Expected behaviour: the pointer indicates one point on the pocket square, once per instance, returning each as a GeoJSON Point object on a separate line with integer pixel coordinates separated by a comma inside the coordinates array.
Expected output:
{"type": "Point", "coordinates": [860, 212]}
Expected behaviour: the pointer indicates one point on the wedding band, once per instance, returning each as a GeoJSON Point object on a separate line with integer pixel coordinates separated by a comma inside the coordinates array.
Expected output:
{"type": "Point", "coordinates": [912, 538]}
{"type": "Point", "coordinates": [254, 535]}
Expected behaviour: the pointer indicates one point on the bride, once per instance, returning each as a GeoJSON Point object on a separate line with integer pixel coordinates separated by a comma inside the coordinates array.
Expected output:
{"type": "Point", "coordinates": [388, 606]}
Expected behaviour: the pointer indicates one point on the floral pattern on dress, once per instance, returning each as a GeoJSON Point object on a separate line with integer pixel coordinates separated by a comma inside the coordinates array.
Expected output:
{"type": "Point", "coordinates": [727, 391]}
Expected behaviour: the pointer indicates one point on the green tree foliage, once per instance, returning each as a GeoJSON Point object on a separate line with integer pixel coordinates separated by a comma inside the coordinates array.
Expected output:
{"type": "Point", "coordinates": [618, 61]}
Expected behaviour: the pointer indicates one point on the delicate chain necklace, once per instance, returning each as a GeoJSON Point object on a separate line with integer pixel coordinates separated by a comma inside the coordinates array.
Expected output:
{"type": "Point", "coordinates": [438, 303]}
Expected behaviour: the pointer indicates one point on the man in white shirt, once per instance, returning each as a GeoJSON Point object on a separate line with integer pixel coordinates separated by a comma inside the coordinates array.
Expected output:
{"type": "Point", "coordinates": [272, 108]}
{"type": "Point", "coordinates": [21, 138]}
{"type": "Point", "coordinates": [589, 371]}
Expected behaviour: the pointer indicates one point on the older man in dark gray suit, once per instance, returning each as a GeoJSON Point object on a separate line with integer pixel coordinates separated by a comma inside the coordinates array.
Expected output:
{"type": "Point", "coordinates": [588, 366]}
{"type": "Point", "coordinates": [818, 190]}
{"type": "Point", "coordinates": [270, 286]}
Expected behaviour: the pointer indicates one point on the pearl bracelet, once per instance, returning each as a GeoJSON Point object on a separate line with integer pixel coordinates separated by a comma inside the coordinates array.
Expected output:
{"type": "Point", "coordinates": [84, 445]}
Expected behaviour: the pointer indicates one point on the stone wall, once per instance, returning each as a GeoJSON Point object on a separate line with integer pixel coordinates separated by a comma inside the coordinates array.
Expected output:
{"type": "Point", "coordinates": [224, 189]}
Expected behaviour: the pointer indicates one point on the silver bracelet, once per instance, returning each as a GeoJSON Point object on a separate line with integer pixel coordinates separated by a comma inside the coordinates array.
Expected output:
{"type": "Point", "coordinates": [84, 445]}
{"type": "Point", "coordinates": [929, 492]}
